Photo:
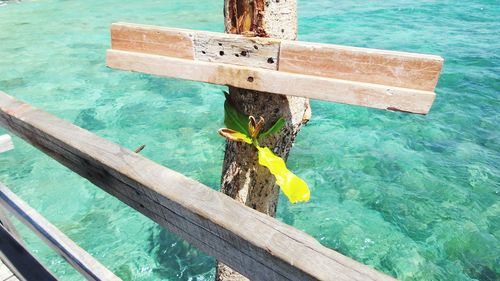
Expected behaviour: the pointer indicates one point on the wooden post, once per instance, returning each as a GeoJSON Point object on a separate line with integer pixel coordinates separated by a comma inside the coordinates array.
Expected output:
{"type": "Point", "coordinates": [242, 177]}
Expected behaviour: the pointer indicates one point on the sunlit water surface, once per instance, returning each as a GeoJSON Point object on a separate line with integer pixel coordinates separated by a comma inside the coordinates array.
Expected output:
{"type": "Point", "coordinates": [414, 196]}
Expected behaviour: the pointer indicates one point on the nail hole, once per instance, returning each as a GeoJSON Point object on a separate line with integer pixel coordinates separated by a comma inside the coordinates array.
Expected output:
{"type": "Point", "coordinates": [270, 60]}
{"type": "Point", "coordinates": [237, 55]}
{"type": "Point", "coordinates": [220, 44]}
{"type": "Point", "coordinates": [250, 79]}
{"type": "Point", "coordinates": [142, 206]}
{"type": "Point", "coordinates": [282, 31]}
{"type": "Point", "coordinates": [244, 53]}
{"type": "Point", "coordinates": [203, 52]}
{"type": "Point", "coordinates": [221, 53]}
{"type": "Point", "coordinates": [255, 47]}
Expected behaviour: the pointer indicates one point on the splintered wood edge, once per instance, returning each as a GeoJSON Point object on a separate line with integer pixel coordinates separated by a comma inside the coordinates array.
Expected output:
{"type": "Point", "coordinates": [328, 89]}
{"type": "Point", "coordinates": [390, 68]}
{"type": "Point", "coordinates": [258, 246]}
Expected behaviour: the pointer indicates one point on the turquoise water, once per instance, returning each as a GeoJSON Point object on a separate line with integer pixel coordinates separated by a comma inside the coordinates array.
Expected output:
{"type": "Point", "coordinates": [414, 196]}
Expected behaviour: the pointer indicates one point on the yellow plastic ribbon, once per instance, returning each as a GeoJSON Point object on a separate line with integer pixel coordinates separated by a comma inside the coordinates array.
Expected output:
{"type": "Point", "coordinates": [293, 187]}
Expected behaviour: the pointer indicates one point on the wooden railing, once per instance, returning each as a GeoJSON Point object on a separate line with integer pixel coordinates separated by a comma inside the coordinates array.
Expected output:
{"type": "Point", "coordinates": [257, 246]}
{"type": "Point", "coordinates": [78, 258]}
{"type": "Point", "coordinates": [19, 263]}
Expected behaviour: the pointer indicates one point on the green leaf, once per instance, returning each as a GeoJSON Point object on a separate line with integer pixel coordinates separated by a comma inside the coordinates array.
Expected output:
{"type": "Point", "coordinates": [234, 135]}
{"type": "Point", "coordinates": [293, 187]}
{"type": "Point", "coordinates": [235, 120]}
{"type": "Point", "coordinates": [274, 129]}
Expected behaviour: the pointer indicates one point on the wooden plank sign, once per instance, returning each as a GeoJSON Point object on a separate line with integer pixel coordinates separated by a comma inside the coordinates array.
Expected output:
{"type": "Point", "coordinates": [380, 79]}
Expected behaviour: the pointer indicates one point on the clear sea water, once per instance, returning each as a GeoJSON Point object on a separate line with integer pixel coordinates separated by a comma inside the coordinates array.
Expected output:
{"type": "Point", "coordinates": [414, 196]}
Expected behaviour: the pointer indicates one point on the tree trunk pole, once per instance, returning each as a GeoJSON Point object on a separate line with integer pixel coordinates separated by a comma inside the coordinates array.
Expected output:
{"type": "Point", "coordinates": [242, 177]}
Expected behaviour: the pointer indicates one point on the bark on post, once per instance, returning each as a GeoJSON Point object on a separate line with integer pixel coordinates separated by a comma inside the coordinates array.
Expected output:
{"type": "Point", "coordinates": [242, 177]}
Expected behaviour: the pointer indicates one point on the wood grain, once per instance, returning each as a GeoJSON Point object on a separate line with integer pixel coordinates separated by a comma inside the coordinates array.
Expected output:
{"type": "Point", "coordinates": [407, 70]}
{"type": "Point", "coordinates": [6, 143]}
{"type": "Point", "coordinates": [389, 68]}
{"type": "Point", "coordinates": [78, 258]}
{"type": "Point", "coordinates": [152, 40]}
{"type": "Point", "coordinates": [237, 50]}
{"type": "Point", "coordinates": [341, 91]}
{"type": "Point", "coordinates": [197, 45]}
{"type": "Point", "coordinates": [252, 243]}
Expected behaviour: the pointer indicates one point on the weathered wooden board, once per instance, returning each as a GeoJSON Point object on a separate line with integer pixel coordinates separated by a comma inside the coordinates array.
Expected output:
{"type": "Point", "coordinates": [6, 143]}
{"type": "Point", "coordinates": [237, 50]}
{"type": "Point", "coordinates": [152, 40]}
{"type": "Point", "coordinates": [252, 243]}
{"type": "Point", "coordinates": [69, 250]}
{"type": "Point", "coordinates": [19, 260]}
{"type": "Point", "coordinates": [407, 70]}
{"type": "Point", "coordinates": [196, 45]}
{"type": "Point", "coordinates": [341, 91]}
{"type": "Point", "coordinates": [358, 76]}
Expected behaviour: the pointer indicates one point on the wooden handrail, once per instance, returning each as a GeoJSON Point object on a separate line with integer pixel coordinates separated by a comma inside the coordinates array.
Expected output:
{"type": "Point", "coordinates": [257, 246]}
{"type": "Point", "coordinates": [78, 258]}
{"type": "Point", "coordinates": [19, 260]}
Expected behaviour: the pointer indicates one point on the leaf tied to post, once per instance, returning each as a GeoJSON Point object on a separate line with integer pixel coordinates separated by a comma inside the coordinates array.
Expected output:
{"type": "Point", "coordinates": [247, 129]}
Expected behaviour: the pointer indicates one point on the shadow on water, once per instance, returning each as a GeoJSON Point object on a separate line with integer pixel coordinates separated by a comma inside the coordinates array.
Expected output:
{"type": "Point", "coordinates": [176, 258]}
